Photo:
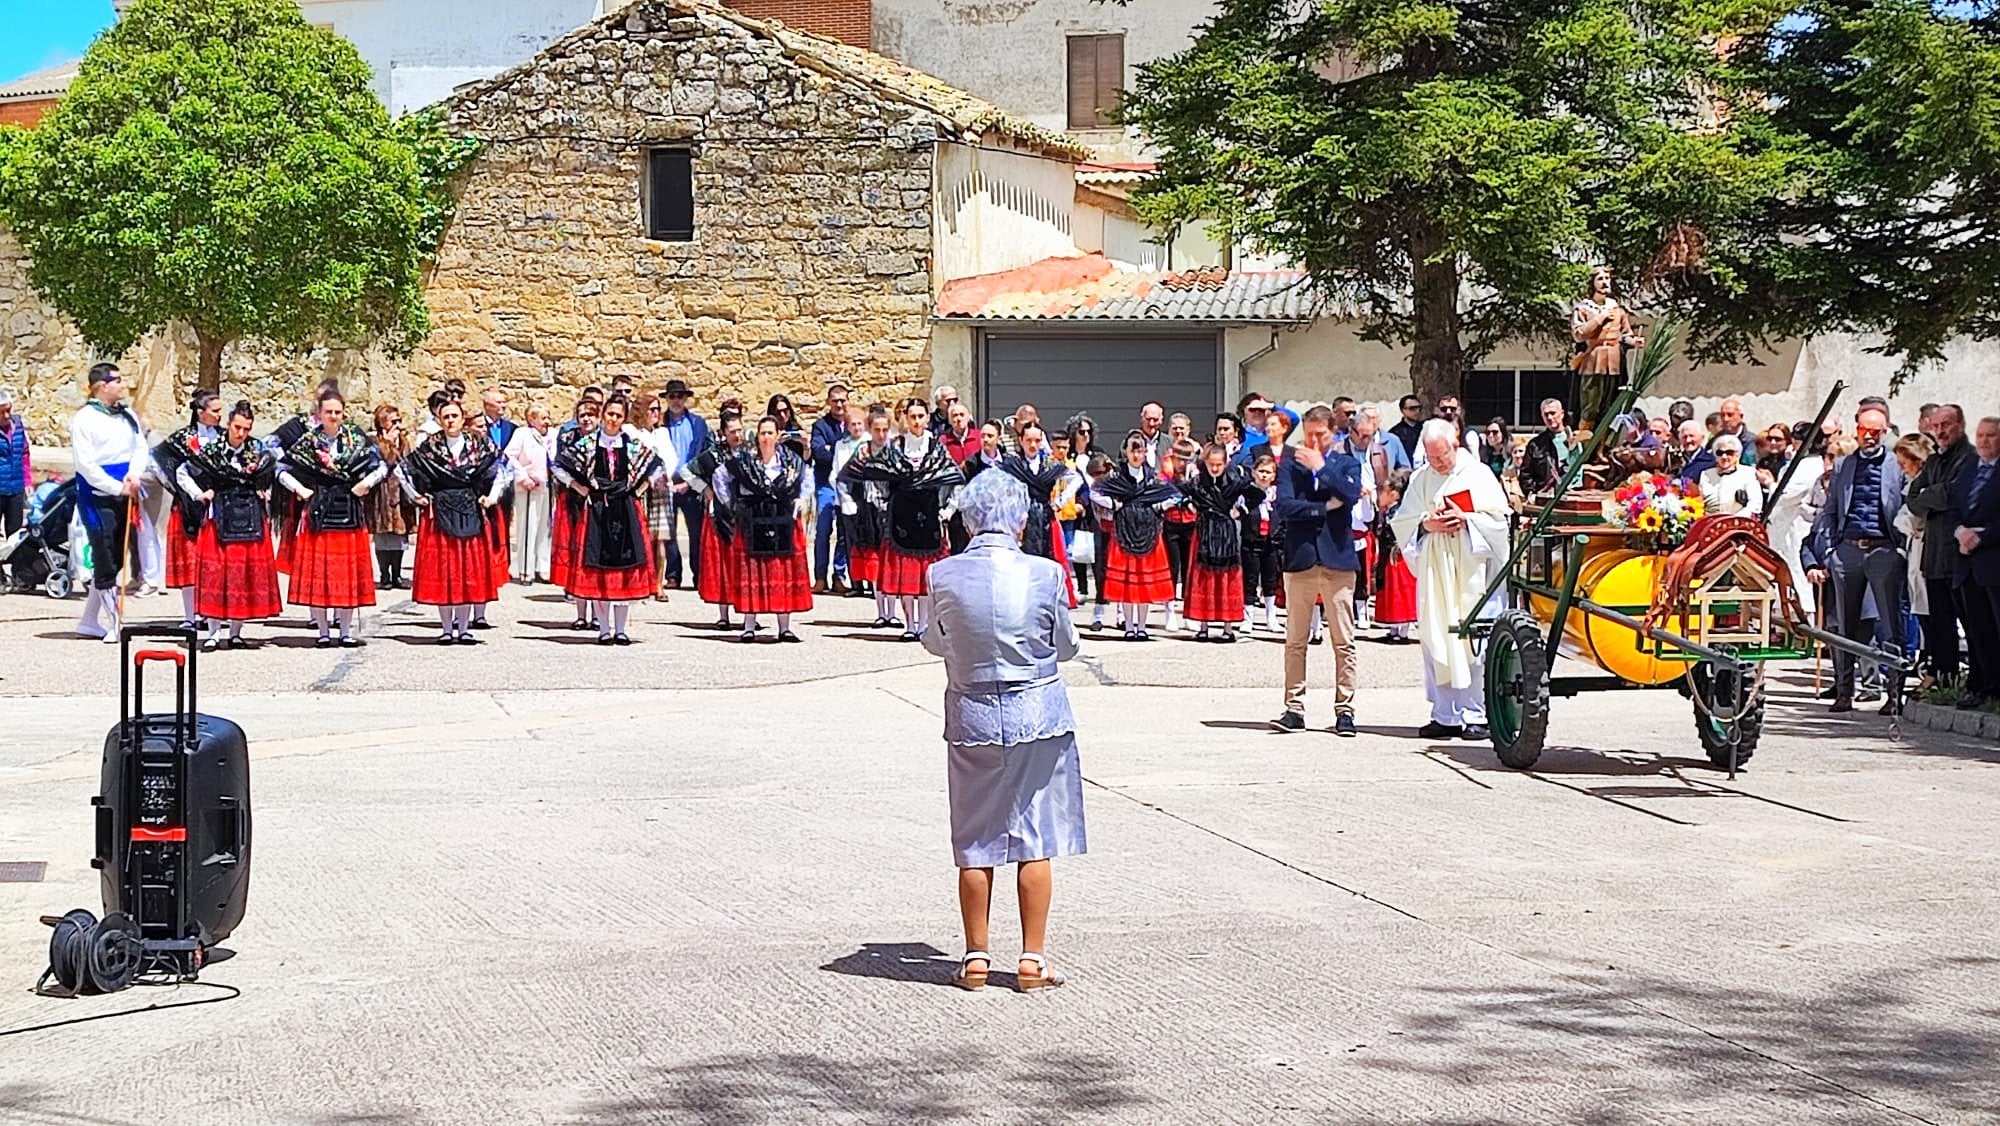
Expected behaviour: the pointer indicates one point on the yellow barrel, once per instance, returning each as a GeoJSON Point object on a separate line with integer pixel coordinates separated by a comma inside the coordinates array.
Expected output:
{"type": "Point", "coordinates": [1626, 581]}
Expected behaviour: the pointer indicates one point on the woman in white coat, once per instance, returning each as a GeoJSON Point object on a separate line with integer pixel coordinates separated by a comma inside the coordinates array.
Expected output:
{"type": "Point", "coordinates": [1792, 516]}
{"type": "Point", "coordinates": [528, 457]}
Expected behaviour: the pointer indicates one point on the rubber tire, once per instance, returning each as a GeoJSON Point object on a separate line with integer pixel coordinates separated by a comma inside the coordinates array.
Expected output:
{"type": "Point", "coordinates": [1712, 741]}
{"type": "Point", "coordinates": [1517, 632]}
{"type": "Point", "coordinates": [57, 585]}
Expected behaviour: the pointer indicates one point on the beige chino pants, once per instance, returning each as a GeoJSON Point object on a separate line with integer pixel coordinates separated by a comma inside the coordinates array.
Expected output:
{"type": "Point", "coordinates": [1336, 590]}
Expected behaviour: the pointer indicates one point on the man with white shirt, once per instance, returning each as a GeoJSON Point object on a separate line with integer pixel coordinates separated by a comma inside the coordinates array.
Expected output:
{"type": "Point", "coordinates": [109, 449]}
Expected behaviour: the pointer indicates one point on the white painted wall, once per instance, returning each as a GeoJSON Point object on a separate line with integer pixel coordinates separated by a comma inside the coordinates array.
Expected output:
{"type": "Point", "coordinates": [1013, 52]}
{"type": "Point", "coordinates": [995, 209]}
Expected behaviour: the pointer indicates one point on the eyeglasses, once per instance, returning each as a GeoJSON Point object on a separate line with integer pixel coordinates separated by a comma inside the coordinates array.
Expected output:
{"type": "Point", "coordinates": [1869, 431]}
{"type": "Point", "coordinates": [1720, 454]}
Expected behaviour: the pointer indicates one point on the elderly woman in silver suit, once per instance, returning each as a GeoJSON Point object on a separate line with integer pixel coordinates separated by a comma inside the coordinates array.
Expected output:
{"type": "Point", "coordinates": [1001, 624]}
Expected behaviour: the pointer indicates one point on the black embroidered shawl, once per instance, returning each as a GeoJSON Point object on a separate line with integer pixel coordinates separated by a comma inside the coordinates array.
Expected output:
{"type": "Point", "coordinates": [455, 484]}
{"type": "Point", "coordinates": [1135, 516]}
{"type": "Point", "coordinates": [177, 450]}
{"type": "Point", "coordinates": [1037, 537]}
{"type": "Point", "coordinates": [331, 466]}
{"type": "Point", "coordinates": [615, 529]}
{"type": "Point", "coordinates": [1214, 498]}
{"type": "Point", "coordinates": [703, 465]}
{"type": "Point", "coordinates": [240, 478]}
{"type": "Point", "coordinates": [917, 493]}
{"type": "Point", "coordinates": [764, 505]}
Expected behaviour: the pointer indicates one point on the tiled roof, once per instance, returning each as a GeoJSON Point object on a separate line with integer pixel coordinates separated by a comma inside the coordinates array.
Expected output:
{"type": "Point", "coordinates": [889, 79]}
{"type": "Point", "coordinates": [1091, 288]}
{"type": "Point", "coordinates": [48, 83]}
{"type": "Point", "coordinates": [1114, 172]}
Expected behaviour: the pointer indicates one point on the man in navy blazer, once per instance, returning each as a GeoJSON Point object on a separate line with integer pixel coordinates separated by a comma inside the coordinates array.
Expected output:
{"type": "Point", "coordinates": [1854, 545]}
{"type": "Point", "coordinates": [1318, 485]}
{"type": "Point", "coordinates": [1974, 515]}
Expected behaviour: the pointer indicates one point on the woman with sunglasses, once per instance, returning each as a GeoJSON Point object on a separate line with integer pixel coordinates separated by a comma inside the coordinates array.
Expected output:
{"type": "Point", "coordinates": [1730, 487]}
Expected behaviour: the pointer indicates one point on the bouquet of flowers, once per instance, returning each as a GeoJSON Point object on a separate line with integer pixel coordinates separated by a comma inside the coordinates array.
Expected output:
{"type": "Point", "coordinates": [1655, 508]}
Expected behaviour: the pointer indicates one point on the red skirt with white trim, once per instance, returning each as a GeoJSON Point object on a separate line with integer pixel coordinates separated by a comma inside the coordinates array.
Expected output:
{"type": "Point", "coordinates": [183, 553]}
{"type": "Point", "coordinates": [904, 574]}
{"type": "Point", "coordinates": [1139, 578]}
{"type": "Point", "coordinates": [452, 571]}
{"type": "Point", "coordinates": [777, 585]}
{"type": "Point", "coordinates": [1214, 594]}
{"type": "Point", "coordinates": [236, 582]}
{"type": "Point", "coordinates": [864, 564]}
{"type": "Point", "coordinates": [333, 570]}
{"type": "Point", "coordinates": [719, 567]}
{"type": "Point", "coordinates": [1396, 602]}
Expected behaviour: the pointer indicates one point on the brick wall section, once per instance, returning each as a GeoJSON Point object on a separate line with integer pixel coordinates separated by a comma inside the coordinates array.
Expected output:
{"type": "Point", "coordinates": [25, 113]}
{"type": "Point", "coordinates": [812, 215]}
{"type": "Point", "coordinates": [850, 21]}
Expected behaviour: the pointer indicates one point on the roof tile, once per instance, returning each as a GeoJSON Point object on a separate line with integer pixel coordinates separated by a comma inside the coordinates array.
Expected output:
{"type": "Point", "coordinates": [1091, 288]}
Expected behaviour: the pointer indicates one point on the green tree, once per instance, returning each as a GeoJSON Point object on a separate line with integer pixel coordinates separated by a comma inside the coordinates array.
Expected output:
{"type": "Point", "coordinates": [1457, 166]}
{"type": "Point", "coordinates": [1893, 109]}
{"type": "Point", "coordinates": [222, 163]}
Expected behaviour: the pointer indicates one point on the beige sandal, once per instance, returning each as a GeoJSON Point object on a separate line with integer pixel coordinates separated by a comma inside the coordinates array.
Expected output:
{"type": "Point", "coordinates": [1045, 978]}
{"type": "Point", "coordinates": [966, 978]}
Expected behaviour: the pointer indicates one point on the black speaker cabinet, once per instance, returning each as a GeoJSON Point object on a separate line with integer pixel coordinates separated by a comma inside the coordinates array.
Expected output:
{"type": "Point", "coordinates": [173, 817]}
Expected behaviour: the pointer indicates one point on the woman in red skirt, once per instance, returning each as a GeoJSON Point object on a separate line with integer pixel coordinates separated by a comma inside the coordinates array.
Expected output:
{"type": "Point", "coordinates": [1136, 572]}
{"type": "Point", "coordinates": [330, 470]}
{"type": "Point", "coordinates": [613, 565]}
{"type": "Point", "coordinates": [768, 494]}
{"type": "Point", "coordinates": [236, 576]}
{"type": "Point", "coordinates": [1218, 494]}
{"type": "Point", "coordinates": [1052, 485]}
{"type": "Point", "coordinates": [864, 506]}
{"type": "Point", "coordinates": [455, 476]}
{"type": "Point", "coordinates": [1395, 585]}
{"type": "Point", "coordinates": [566, 507]}
{"type": "Point", "coordinates": [717, 581]}
{"type": "Point", "coordinates": [184, 517]}
{"type": "Point", "coordinates": [920, 476]}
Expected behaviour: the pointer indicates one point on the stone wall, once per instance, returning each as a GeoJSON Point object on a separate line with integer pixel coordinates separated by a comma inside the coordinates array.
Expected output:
{"type": "Point", "coordinates": [810, 257]}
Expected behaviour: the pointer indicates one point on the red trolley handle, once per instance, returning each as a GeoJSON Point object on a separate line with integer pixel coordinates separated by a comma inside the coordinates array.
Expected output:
{"type": "Point", "coordinates": [144, 656]}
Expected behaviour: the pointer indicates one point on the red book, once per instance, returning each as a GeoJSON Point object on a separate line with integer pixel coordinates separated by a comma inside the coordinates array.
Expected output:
{"type": "Point", "coordinates": [1461, 500]}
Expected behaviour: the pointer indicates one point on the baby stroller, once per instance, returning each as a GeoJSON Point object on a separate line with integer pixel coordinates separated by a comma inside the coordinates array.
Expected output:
{"type": "Point", "coordinates": [39, 554]}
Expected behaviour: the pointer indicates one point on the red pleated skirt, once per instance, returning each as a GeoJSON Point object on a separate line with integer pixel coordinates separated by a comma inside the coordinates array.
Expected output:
{"type": "Point", "coordinates": [563, 537]}
{"type": "Point", "coordinates": [498, 539]}
{"type": "Point", "coordinates": [773, 586]}
{"type": "Point", "coordinates": [1059, 551]}
{"type": "Point", "coordinates": [864, 564]}
{"type": "Point", "coordinates": [1214, 594]}
{"type": "Point", "coordinates": [333, 570]}
{"type": "Point", "coordinates": [719, 567]}
{"type": "Point", "coordinates": [600, 584]}
{"type": "Point", "coordinates": [1396, 602]}
{"type": "Point", "coordinates": [183, 553]}
{"type": "Point", "coordinates": [288, 536]}
{"type": "Point", "coordinates": [1139, 578]}
{"type": "Point", "coordinates": [453, 571]}
{"type": "Point", "coordinates": [904, 574]}
{"type": "Point", "coordinates": [236, 582]}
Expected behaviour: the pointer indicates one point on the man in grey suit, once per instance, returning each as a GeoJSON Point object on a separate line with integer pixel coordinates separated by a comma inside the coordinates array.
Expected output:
{"type": "Point", "coordinates": [1854, 545]}
{"type": "Point", "coordinates": [1001, 622]}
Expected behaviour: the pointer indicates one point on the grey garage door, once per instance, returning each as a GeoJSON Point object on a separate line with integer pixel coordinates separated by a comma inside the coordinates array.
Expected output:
{"type": "Point", "coordinates": [1110, 376]}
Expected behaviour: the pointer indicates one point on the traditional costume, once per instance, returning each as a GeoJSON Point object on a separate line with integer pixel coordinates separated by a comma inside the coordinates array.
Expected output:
{"type": "Point", "coordinates": [1452, 571]}
{"type": "Point", "coordinates": [613, 565]}
{"type": "Point", "coordinates": [331, 569]}
{"type": "Point", "coordinates": [456, 566]}
{"type": "Point", "coordinates": [1051, 486]}
{"type": "Point", "coordinates": [766, 503]}
{"type": "Point", "coordinates": [1395, 606]}
{"type": "Point", "coordinates": [864, 508]}
{"type": "Point", "coordinates": [716, 582]}
{"type": "Point", "coordinates": [1215, 567]}
{"type": "Point", "coordinates": [237, 574]}
{"type": "Point", "coordinates": [1136, 573]}
{"type": "Point", "coordinates": [1263, 568]}
{"type": "Point", "coordinates": [108, 450]}
{"type": "Point", "coordinates": [184, 518]}
{"type": "Point", "coordinates": [919, 476]}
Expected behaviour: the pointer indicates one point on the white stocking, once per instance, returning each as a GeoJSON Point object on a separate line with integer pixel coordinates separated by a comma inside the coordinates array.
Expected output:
{"type": "Point", "coordinates": [749, 623]}
{"type": "Point", "coordinates": [884, 608]}
{"type": "Point", "coordinates": [187, 605]}
{"type": "Point", "coordinates": [784, 623]}
{"type": "Point", "coordinates": [620, 611]}
{"type": "Point", "coordinates": [319, 619]}
{"type": "Point", "coordinates": [345, 616]}
{"type": "Point", "coordinates": [236, 630]}
{"type": "Point", "coordinates": [445, 615]}
{"type": "Point", "coordinates": [912, 615]}
{"type": "Point", "coordinates": [1139, 615]}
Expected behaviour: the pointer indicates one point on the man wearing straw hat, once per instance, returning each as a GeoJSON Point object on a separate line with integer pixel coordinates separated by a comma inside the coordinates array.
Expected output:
{"type": "Point", "coordinates": [109, 449]}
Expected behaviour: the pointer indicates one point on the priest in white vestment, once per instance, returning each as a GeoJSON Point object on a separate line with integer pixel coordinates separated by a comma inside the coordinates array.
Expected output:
{"type": "Point", "coordinates": [1452, 526]}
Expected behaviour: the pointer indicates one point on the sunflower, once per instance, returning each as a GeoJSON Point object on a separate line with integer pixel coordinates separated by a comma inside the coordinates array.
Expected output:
{"type": "Point", "coordinates": [1694, 507]}
{"type": "Point", "coordinates": [1651, 520]}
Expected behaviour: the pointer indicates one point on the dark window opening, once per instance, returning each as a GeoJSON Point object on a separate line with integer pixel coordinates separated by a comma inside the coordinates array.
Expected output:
{"type": "Point", "coordinates": [1516, 395]}
{"type": "Point", "coordinates": [670, 195]}
{"type": "Point", "coordinates": [1096, 75]}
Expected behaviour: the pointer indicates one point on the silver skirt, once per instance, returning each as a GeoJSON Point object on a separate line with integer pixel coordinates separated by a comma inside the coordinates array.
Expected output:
{"type": "Point", "coordinates": [1016, 803]}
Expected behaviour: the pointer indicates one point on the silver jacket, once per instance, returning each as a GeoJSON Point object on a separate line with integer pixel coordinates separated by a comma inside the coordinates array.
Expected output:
{"type": "Point", "coordinates": [1002, 624]}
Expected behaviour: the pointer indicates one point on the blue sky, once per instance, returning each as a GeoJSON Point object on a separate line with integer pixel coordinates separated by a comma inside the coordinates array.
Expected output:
{"type": "Point", "coordinates": [41, 33]}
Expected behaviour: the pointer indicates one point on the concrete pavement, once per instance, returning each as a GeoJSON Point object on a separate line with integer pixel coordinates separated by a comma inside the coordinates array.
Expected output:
{"type": "Point", "coordinates": [701, 882]}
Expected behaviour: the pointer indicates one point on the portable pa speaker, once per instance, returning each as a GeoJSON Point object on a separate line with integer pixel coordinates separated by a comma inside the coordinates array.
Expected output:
{"type": "Point", "coordinates": [173, 820]}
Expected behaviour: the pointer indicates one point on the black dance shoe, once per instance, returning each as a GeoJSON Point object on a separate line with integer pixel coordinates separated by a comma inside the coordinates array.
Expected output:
{"type": "Point", "coordinates": [1436, 730]}
{"type": "Point", "coordinates": [789, 638]}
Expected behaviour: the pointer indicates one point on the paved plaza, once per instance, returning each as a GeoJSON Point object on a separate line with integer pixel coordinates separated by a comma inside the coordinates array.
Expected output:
{"type": "Point", "coordinates": [696, 881]}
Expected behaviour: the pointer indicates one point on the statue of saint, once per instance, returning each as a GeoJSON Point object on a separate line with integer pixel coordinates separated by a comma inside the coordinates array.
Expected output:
{"type": "Point", "coordinates": [1603, 329]}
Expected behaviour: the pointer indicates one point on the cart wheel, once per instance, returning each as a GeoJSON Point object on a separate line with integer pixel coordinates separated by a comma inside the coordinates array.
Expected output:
{"type": "Point", "coordinates": [57, 585]}
{"type": "Point", "coordinates": [1517, 689]}
{"type": "Point", "coordinates": [1719, 692]}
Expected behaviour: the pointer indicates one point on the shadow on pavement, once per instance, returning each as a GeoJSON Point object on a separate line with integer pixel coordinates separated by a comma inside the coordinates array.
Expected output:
{"type": "Point", "coordinates": [967, 1083]}
{"type": "Point", "coordinates": [22, 1102]}
{"type": "Point", "coordinates": [1883, 1039]}
{"type": "Point", "coordinates": [896, 961]}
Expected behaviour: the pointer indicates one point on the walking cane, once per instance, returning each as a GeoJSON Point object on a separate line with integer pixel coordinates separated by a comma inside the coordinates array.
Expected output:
{"type": "Point", "coordinates": [1819, 647]}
